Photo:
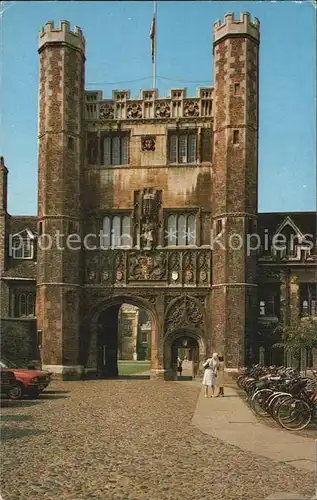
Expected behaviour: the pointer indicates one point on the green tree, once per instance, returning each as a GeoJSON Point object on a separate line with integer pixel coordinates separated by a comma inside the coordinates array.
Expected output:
{"type": "Point", "coordinates": [300, 334]}
{"type": "Point", "coordinates": [15, 344]}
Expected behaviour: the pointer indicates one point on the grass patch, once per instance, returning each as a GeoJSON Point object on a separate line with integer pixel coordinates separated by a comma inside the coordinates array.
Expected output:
{"type": "Point", "coordinates": [133, 367]}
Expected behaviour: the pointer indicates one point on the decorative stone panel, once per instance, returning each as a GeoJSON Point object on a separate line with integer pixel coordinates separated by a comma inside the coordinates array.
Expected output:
{"type": "Point", "coordinates": [148, 143]}
{"type": "Point", "coordinates": [184, 312]}
{"type": "Point", "coordinates": [157, 267]}
{"type": "Point", "coordinates": [148, 106]}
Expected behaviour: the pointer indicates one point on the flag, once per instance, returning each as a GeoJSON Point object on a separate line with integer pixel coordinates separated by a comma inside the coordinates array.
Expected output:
{"type": "Point", "coordinates": [153, 37]}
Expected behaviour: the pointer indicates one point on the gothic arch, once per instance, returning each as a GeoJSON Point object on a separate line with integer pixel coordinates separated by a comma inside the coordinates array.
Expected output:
{"type": "Point", "coordinates": [105, 302]}
{"type": "Point", "coordinates": [89, 337]}
{"type": "Point", "coordinates": [174, 335]}
{"type": "Point", "coordinates": [187, 332]}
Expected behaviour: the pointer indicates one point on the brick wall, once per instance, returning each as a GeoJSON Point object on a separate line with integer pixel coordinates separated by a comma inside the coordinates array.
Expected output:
{"type": "Point", "coordinates": [234, 192]}
{"type": "Point", "coordinates": [60, 183]}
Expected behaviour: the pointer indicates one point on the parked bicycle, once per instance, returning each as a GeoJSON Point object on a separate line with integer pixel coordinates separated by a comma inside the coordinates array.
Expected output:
{"type": "Point", "coordinates": [281, 393]}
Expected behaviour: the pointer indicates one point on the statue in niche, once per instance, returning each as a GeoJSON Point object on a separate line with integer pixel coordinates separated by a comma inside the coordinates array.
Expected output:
{"type": "Point", "coordinates": [147, 203]}
{"type": "Point", "coordinates": [147, 233]}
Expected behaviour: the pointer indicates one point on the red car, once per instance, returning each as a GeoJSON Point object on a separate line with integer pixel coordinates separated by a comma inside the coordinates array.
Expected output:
{"type": "Point", "coordinates": [28, 382]}
{"type": "Point", "coordinates": [7, 381]}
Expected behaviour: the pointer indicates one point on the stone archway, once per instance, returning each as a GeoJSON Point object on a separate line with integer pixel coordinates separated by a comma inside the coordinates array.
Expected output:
{"type": "Point", "coordinates": [185, 311]}
{"type": "Point", "coordinates": [184, 317]}
{"type": "Point", "coordinates": [101, 333]}
{"type": "Point", "coordinates": [174, 341]}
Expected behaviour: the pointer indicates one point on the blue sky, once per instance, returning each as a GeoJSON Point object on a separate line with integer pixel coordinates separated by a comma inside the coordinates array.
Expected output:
{"type": "Point", "coordinates": [118, 50]}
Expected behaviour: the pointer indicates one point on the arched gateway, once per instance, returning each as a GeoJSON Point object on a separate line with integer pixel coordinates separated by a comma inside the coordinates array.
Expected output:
{"type": "Point", "coordinates": [99, 346]}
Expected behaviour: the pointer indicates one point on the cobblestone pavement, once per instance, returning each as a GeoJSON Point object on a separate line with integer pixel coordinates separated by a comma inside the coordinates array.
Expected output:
{"type": "Point", "coordinates": [128, 440]}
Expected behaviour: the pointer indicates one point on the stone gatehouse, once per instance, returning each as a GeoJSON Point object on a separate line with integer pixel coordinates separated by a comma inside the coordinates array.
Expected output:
{"type": "Point", "coordinates": [144, 201]}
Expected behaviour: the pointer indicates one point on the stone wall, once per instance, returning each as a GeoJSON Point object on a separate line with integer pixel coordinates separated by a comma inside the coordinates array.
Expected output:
{"type": "Point", "coordinates": [62, 60]}
{"type": "Point", "coordinates": [26, 327]}
{"type": "Point", "coordinates": [4, 300]}
{"type": "Point", "coordinates": [234, 198]}
{"type": "Point", "coordinates": [183, 185]}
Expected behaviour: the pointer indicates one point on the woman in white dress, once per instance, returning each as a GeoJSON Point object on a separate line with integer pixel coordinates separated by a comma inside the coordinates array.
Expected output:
{"type": "Point", "coordinates": [221, 376]}
{"type": "Point", "coordinates": [209, 379]}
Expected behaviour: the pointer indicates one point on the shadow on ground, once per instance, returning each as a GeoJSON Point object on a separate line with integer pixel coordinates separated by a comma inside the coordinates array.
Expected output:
{"type": "Point", "coordinates": [14, 418]}
{"type": "Point", "coordinates": [10, 403]}
{"type": "Point", "coordinates": [49, 391]}
{"type": "Point", "coordinates": [231, 396]}
{"type": "Point", "coordinates": [44, 396]}
{"type": "Point", "coordinates": [15, 433]}
{"type": "Point", "coordinates": [29, 401]}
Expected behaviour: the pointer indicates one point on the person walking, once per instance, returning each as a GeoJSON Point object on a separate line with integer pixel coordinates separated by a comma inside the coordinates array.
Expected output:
{"type": "Point", "coordinates": [210, 375]}
{"type": "Point", "coordinates": [179, 366]}
{"type": "Point", "coordinates": [221, 376]}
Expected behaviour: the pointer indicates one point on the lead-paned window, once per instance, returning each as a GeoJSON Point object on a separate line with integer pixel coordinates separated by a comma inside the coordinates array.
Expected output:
{"type": "Point", "coordinates": [182, 147]}
{"type": "Point", "coordinates": [181, 230]}
{"type": "Point", "coordinates": [25, 304]}
{"type": "Point", "coordinates": [115, 149]}
{"type": "Point", "coordinates": [116, 231]}
{"type": "Point", "coordinates": [22, 248]}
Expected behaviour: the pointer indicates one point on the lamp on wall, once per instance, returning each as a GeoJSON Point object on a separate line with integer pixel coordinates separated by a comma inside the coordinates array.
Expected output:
{"type": "Point", "coordinates": [185, 342]}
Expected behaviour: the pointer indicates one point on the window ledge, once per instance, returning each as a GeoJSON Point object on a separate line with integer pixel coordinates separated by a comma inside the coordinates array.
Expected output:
{"type": "Point", "coordinates": [88, 165]}
{"type": "Point", "coordinates": [181, 247]}
{"type": "Point", "coordinates": [22, 258]}
{"type": "Point", "coordinates": [114, 248]}
{"type": "Point", "coordinates": [22, 318]}
{"type": "Point", "coordinates": [194, 164]}
{"type": "Point", "coordinates": [268, 318]}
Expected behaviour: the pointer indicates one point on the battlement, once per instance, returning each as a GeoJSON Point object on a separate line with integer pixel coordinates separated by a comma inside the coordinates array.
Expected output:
{"type": "Point", "coordinates": [63, 34]}
{"type": "Point", "coordinates": [243, 26]}
{"type": "Point", "coordinates": [121, 106]}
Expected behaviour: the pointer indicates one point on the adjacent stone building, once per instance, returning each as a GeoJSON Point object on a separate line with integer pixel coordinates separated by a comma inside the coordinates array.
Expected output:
{"type": "Point", "coordinates": [151, 201]}
{"type": "Point", "coordinates": [134, 334]}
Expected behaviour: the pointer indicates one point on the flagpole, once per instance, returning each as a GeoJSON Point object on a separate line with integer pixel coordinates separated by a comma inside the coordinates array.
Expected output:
{"type": "Point", "coordinates": [154, 46]}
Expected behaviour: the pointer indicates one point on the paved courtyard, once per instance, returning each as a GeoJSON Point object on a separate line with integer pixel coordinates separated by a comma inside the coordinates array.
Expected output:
{"type": "Point", "coordinates": [130, 440]}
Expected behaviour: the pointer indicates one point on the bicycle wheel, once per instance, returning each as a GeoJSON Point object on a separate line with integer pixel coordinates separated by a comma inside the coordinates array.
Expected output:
{"type": "Point", "coordinates": [276, 401]}
{"type": "Point", "coordinates": [240, 381]}
{"type": "Point", "coordinates": [258, 402]}
{"type": "Point", "coordinates": [294, 414]}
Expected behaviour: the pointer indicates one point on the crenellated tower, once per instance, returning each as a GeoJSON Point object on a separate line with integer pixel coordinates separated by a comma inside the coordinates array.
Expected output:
{"type": "Point", "coordinates": [235, 175]}
{"type": "Point", "coordinates": [62, 74]}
